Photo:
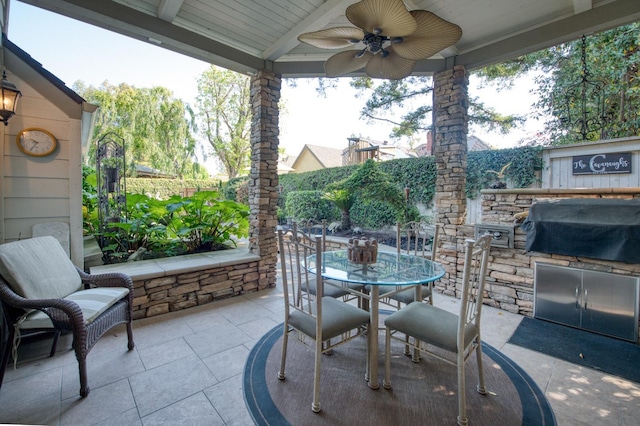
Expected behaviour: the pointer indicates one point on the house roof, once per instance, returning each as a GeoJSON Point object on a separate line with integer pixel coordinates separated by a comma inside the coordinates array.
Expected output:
{"type": "Point", "coordinates": [47, 84]}
{"type": "Point", "coordinates": [474, 143]}
{"type": "Point", "coordinates": [149, 172]}
{"type": "Point", "coordinates": [254, 35]}
{"type": "Point", "coordinates": [327, 157]}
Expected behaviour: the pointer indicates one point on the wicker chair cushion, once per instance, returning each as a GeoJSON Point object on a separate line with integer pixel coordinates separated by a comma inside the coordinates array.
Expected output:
{"type": "Point", "coordinates": [39, 268]}
{"type": "Point", "coordinates": [92, 302]}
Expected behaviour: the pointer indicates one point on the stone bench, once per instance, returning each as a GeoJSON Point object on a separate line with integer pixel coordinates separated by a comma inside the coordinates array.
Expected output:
{"type": "Point", "coordinates": [174, 283]}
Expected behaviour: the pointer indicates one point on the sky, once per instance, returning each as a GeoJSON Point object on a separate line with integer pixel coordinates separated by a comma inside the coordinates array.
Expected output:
{"type": "Point", "coordinates": [73, 50]}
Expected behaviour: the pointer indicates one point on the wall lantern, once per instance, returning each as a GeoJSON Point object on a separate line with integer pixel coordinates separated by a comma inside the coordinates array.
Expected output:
{"type": "Point", "coordinates": [9, 94]}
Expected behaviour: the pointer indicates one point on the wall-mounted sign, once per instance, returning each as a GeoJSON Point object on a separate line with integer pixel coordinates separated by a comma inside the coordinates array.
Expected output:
{"type": "Point", "coordinates": [602, 164]}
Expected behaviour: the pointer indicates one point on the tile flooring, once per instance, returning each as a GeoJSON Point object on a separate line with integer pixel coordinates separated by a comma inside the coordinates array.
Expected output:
{"type": "Point", "coordinates": [187, 369]}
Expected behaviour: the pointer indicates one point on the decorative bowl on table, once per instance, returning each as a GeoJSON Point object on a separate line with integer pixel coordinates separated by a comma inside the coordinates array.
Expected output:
{"type": "Point", "coordinates": [362, 250]}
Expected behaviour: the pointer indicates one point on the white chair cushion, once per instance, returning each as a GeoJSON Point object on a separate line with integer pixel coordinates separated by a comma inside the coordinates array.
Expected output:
{"type": "Point", "coordinates": [92, 302]}
{"type": "Point", "coordinates": [39, 268]}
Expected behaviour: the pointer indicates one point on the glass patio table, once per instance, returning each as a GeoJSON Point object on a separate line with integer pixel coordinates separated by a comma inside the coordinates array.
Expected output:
{"type": "Point", "coordinates": [392, 272]}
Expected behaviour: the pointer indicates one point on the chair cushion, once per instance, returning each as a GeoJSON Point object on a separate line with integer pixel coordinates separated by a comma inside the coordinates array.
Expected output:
{"type": "Point", "coordinates": [408, 296]}
{"type": "Point", "coordinates": [331, 288]}
{"type": "Point", "coordinates": [337, 317]}
{"type": "Point", "coordinates": [92, 302]}
{"type": "Point", "coordinates": [430, 324]}
{"type": "Point", "coordinates": [39, 268]}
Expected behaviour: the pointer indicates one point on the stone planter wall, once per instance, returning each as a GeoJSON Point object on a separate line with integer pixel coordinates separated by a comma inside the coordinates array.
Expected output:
{"type": "Point", "coordinates": [171, 284]}
{"type": "Point", "coordinates": [510, 281]}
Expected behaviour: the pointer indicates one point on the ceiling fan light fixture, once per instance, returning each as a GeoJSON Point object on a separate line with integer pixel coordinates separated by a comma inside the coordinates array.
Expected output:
{"type": "Point", "coordinates": [345, 62]}
{"type": "Point", "coordinates": [393, 66]}
{"type": "Point", "coordinates": [390, 17]}
{"type": "Point", "coordinates": [394, 39]}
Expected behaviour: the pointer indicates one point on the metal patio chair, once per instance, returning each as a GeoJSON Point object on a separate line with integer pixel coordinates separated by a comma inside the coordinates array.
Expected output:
{"type": "Point", "coordinates": [458, 335]}
{"type": "Point", "coordinates": [325, 321]}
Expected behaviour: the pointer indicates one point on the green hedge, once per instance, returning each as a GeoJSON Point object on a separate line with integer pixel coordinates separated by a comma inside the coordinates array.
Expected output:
{"type": "Point", "coordinates": [165, 188]}
{"type": "Point", "coordinates": [305, 205]}
{"type": "Point", "coordinates": [419, 175]}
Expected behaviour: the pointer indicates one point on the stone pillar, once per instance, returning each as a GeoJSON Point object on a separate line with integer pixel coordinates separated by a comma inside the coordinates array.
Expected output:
{"type": "Point", "coordinates": [450, 103]}
{"type": "Point", "coordinates": [263, 178]}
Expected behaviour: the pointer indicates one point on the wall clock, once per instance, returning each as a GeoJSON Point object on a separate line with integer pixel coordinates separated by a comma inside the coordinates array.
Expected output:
{"type": "Point", "coordinates": [36, 142]}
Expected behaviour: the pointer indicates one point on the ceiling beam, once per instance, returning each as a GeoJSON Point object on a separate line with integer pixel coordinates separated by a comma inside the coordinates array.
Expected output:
{"type": "Point", "coordinates": [118, 17]}
{"type": "Point", "coordinates": [168, 9]}
{"type": "Point", "coordinates": [141, 26]}
{"type": "Point", "coordinates": [580, 6]}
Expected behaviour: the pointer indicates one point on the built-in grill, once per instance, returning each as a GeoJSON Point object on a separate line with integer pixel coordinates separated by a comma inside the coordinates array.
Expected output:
{"type": "Point", "coordinates": [597, 301]}
{"type": "Point", "coordinates": [599, 228]}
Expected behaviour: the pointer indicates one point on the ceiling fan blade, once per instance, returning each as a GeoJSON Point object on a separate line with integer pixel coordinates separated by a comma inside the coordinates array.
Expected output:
{"type": "Point", "coordinates": [345, 62]}
{"type": "Point", "coordinates": [391, 16]}
{"type": "Point", "coordinates": [332, 38]}
{"type": "Point", "coordinates": [393, 67]}
{"type": "Point", "coordinates": [432, 35]}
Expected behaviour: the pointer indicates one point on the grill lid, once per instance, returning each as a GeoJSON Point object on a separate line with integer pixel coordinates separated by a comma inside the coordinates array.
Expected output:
{"type": "Point", "coordinates": [598, 228]}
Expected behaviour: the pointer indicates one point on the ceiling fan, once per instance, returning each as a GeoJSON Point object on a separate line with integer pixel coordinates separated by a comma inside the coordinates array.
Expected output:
{"type": "Point", "coordinates": [394, 38]}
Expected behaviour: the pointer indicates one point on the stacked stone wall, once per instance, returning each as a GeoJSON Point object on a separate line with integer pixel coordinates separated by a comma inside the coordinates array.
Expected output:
{"type": "Point", "coordinates": [173, 292]}
{"type": "Point", "coordinates": [263, 177]}
{"type": "Point", "coordinates": [450, 100]}
{"type": "Point", "coordinates": [510, 283]}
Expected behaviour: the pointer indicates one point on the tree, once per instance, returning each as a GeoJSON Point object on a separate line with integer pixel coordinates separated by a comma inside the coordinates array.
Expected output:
{"type": "Point", "coordinates": [611, 60]}
{"type": "Point", "coordinates": [343, 199]}
{"type": "Point", "coordinates": [156, 127]}
{"type": "Point", "coordinates": [367, 183]}
{"type": "Point", "coordinates": [224, 111]}
{"type": "Point", "coordinates": [414, 96]}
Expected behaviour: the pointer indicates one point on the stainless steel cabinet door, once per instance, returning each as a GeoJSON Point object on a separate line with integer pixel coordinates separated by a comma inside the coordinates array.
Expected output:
{"type": "Point", "coordinates": [609, 304]}
{"type": "Point", "coordinates": [557, 294]}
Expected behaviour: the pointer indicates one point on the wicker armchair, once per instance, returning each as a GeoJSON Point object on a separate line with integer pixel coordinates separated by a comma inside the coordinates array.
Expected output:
{"type": "Point", "coordinates": [41, 289]}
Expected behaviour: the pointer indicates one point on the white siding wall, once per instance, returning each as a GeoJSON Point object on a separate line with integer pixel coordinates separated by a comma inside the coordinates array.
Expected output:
{"type": "Point", "coordinates": [38, 190]}
{"type": "Point", "coordinates": [558, 170]}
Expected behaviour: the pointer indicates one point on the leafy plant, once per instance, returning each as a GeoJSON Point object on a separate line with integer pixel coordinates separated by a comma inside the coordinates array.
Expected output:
{"type": "Point", "coordinates": [204, 222]}
{"type": "Point", "coordinates": [89, 200]}
{"type": "Point", "coordinates": [344, 200]}
{"type": "Point", "coordinates": [179, 225]}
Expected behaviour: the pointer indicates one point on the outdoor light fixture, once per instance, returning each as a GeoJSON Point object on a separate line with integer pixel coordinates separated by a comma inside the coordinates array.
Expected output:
{"type": "Point", "coordinates": [583, 103]}
{"type": "Point", "coordinates": [9, 94]}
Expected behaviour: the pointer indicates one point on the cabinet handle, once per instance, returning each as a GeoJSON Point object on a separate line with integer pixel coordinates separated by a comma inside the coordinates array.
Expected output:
{"type": "Point", "coordinates": [577, 298]}
{"type": "Point", "coordinates": [586, 295]}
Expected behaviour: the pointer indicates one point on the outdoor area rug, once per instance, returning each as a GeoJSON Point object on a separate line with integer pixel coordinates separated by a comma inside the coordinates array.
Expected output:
{"type": "Point", "coordinates": [422, 393]}
{"type": "Point", "coordinates": [609, 355]}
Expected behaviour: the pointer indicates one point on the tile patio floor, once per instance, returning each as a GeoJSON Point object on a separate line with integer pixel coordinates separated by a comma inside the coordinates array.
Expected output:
{"type": "Point", "coordinates": [187, 369]}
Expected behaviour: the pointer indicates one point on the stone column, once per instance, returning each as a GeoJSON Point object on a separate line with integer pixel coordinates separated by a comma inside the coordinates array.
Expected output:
{"type": "Point", "coordinates": [450, 103]}
{"type": "Point", "coordinates": [263, 178]}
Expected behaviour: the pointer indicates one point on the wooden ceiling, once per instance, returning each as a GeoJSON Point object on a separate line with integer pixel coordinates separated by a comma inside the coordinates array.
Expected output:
{"type": "Point", "coordinates": [250, 35]}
